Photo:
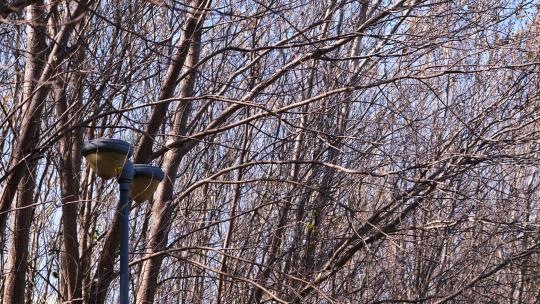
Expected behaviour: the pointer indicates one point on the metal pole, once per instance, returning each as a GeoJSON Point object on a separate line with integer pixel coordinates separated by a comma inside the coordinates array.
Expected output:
{"type": "Point", "coordinates": [124, 182]}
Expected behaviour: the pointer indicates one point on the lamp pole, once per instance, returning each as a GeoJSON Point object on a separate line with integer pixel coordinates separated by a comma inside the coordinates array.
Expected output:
{"type": "Point", "coordinates": [124, 182]}
{"type": "Point", "coordinates": [109, 158]}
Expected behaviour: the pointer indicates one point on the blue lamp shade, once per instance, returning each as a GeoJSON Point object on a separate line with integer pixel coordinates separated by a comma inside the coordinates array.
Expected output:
{"type": "Point", "coordinates": [145, 182]}
{"type": "Point", "coordinates": [106, 156]}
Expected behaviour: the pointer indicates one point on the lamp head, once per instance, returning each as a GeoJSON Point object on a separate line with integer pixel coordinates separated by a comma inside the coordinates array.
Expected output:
{"type": "Point", "coordinates": [145, 182]}
{"type": "Point", "coordinates": [106, 156]}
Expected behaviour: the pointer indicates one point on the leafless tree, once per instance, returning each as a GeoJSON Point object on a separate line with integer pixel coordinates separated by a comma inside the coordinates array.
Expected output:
{"type": "Point", "coordinates": [314, 151]}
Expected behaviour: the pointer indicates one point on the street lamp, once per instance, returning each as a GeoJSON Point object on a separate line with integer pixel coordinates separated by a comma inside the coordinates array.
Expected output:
{"type": "Point", "coordinates": [145, 182]}
{"type": "Point", "coordinates": [106, 156]}
{"type": "Point", "coordinates": [109, 158]}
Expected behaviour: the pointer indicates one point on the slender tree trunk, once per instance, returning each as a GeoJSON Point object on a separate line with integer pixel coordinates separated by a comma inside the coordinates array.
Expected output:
{"type": "Point", "coordinates": [232, 216]}
{"type": "Point", "coordinates": [14, 291]}
{"type": "Point", "coordinates": [20, 226]}
{"type": "Point", "coordinates": [105, 273]}
{"type": "Point", "coordinates": [161, 210]}
{"type": "Point", "coordinates": [70, 265]}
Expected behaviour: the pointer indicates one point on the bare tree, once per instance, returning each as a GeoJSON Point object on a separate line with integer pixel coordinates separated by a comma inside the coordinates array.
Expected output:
{"type": "Point", "coordinates": [315, 151]}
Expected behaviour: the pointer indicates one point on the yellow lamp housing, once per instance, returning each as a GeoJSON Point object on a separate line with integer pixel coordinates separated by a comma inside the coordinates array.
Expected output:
{"type": "Point", "coordinates": [106, 156]}
{"type": "Point", "coordinates": [145, 182]}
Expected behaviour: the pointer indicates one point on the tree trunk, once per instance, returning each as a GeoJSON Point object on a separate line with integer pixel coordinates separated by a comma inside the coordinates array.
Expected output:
{"type": "Point", "coordinates": [161, 209]}
{"type": "Point", "coordinates": [18, 244]}
{"type": "Point", "coordinates": [20, 226]}
{"type": "Point", "coordinates": [70, 264]}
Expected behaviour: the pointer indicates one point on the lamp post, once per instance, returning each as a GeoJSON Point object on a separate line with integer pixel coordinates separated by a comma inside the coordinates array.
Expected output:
{"type": "Point", "coordinates": [109, 158]}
